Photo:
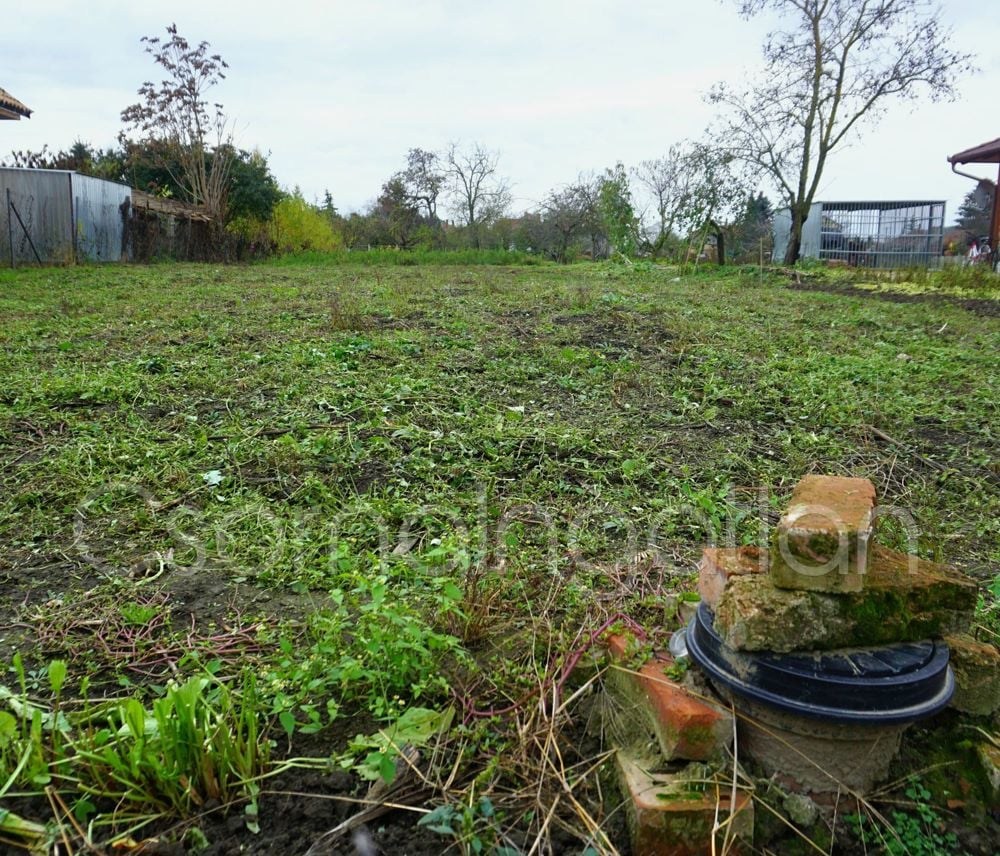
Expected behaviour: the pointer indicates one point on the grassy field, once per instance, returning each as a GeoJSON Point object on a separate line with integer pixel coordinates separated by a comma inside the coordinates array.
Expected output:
{"type": "Point", "coordinates": [420, 488]}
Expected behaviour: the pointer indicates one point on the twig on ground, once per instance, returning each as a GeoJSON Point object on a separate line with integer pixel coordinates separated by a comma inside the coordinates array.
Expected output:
{"type": "Point", "coordinates": [888, 438]}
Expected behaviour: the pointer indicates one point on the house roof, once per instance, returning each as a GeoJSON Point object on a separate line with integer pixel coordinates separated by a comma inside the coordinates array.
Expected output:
{"type": "Point", "coordinates": [11, 108]}
{"type": "Point", "coordinates": [983, 153]}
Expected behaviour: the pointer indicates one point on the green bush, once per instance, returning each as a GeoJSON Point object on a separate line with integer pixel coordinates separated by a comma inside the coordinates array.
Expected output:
{"type": "Point", "coordinates": [298, 226]}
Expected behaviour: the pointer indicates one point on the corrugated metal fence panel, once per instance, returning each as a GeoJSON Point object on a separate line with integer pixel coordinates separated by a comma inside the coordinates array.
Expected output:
{"type": "Point", "coordinates": [42, 199]}
{"type": "Point", "coordinates": [781, 228]}
{"type": "Point", "coordinates": [811, 241]}
{"type": "Point", "coordinates": [99, 221]}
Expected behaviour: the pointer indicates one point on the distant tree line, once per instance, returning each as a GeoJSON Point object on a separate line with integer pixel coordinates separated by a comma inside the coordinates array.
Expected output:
{"type": "Point", "coordinates": [830, 67]}
{"type": "Point", "coordinates": [671, 207]}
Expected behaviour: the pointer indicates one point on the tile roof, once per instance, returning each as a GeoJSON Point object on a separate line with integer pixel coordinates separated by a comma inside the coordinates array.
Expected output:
{"type": "Point", "coordinates": [11, 108]}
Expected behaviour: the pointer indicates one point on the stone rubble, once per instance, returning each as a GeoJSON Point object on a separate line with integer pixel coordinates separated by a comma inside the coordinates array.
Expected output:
{"type": "Point", "coordinates": [977, 675]}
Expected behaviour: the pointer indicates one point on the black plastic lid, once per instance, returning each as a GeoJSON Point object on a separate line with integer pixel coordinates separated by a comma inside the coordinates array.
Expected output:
{"type": "Point", "coordinates": [880, 686]}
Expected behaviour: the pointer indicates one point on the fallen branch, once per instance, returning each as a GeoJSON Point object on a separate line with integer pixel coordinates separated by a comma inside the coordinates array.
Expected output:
{"type": "Point", "coordinates": [892, 441]}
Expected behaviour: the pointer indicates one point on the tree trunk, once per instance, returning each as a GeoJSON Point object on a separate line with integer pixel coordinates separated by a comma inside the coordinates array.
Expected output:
{"type": "Point", "coordinates": [720, 243]}
{"type": "Point", "coordinates": [795, 236]}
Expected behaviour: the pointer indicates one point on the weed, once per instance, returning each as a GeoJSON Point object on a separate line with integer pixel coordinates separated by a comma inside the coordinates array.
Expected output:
{"type": "Point", "coordinates": [201, 741]}
{"type": "Point", "coordinates": [371, 647]}
{"type": "Point", "coordinates": [988, 611]}
{"type": "Point", "coordinates": [917, 832]}
{"type": "Point", "coordinates": [407, 258]}
{"type": "Point", "coordinates": [475, 827]}
{"type": "Point", "coordinates": [375, 756]}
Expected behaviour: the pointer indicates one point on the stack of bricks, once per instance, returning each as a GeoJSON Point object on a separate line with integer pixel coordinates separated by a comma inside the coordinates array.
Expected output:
{"type": "Point", "coordinates": [823, 585]}
{"type": "Point", "coordinates": [826, 585]}
{"type": "Point", "coordinates": [669, 738]}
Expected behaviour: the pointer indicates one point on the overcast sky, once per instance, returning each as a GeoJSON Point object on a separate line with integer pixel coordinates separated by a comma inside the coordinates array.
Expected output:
{"type": "Point", "coordinates": [337, 92]}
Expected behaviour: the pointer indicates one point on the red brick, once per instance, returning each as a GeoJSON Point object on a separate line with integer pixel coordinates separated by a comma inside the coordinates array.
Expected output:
{"type": "Point", "coordinates": [718, 564]}
{"type": "Point", "coordinates": [821, 543]}
{"type": "Point", "coordinates": [669, 814]}
{"type": "Point", "coordinates": [684, 726]}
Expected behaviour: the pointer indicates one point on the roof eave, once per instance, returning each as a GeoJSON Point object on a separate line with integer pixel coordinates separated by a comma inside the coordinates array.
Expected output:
{"type": "Point", "coordinates": [983, 153]}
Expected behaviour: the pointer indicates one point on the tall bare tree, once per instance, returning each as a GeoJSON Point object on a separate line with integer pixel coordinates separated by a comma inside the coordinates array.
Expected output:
{"type": "Point", "coordinates": [175, 119]}
{"type": "Point", "coordinates": [481, 194]}
{"type": "Point", "coordinates": [835, 65]}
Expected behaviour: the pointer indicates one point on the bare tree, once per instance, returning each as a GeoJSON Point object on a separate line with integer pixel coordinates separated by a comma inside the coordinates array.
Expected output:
{"type": "Point", "coordinates": [174, 120]}
{"type": "Point", "coordinates": [838, 63]}
{"type": "Point", "coordinates": [668, 180]}
{"type": "Point", "coordinates": [481, 195]}
{"type": "Point", "coordinates": [566, 213]}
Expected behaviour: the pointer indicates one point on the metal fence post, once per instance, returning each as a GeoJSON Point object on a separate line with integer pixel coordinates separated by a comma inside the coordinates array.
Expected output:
{"type": "Point", "coordinates": [10, 231]}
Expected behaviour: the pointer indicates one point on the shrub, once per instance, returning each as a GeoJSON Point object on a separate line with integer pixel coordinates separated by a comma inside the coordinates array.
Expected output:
{"type": "Point", "coordinates": [298, 226]}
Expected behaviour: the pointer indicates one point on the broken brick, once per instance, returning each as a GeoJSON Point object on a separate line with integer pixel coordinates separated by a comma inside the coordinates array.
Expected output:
{"type": "Point", "coordinates": [821, 542]}
{"type": "Point", "coordinates": [645, 704]}
{"type": "Point", "coordinates": [679, 814]}
{"type": "Point", "coordinates": [719, 564]}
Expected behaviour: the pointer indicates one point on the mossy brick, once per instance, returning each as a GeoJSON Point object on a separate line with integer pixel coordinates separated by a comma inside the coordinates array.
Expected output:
{"type": "Point", "coordinates": [977, 674]}
{"type": "Point", "coordinates": [989, 759]}
{"type": "Point", "coordinates": [647, 707]}
{"type": "Point", "coordinates": [718, 564]}
{"type": "Point", "coordinates": [679, 814]}
{"type": "Point", "coordinates": [905, 599]}
{"type": "Point", "coordinates": [821, 541]}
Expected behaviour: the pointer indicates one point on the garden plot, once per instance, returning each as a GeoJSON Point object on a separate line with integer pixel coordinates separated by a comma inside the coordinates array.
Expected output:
{"type": "Point", "coordinates": [323, 499]}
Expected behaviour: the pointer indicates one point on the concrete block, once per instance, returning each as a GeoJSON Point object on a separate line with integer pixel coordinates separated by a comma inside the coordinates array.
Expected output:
{"type": "Point", "coordinates": [821, 542]}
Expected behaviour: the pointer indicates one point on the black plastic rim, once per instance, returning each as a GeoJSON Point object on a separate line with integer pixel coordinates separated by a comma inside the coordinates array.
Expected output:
{"type": "Point", "coordinates": [878, 686]}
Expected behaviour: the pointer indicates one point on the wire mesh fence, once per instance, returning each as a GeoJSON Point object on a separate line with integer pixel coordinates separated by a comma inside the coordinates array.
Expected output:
{"type": "Point", "coordinates": [883, 234]}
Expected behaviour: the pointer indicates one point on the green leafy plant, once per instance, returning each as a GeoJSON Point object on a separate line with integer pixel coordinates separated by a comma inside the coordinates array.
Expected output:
{"type": "Point", "coordinates": [201, 741]}
{"type": "Point", "coordinates": [988, 610]}
{"type": "Point", "coordinates": [371, 647]}
{"type": "Point", "coordinates": [918, 832]}
{"type": "Point", "coordinates": [33, 739]}
{"type": "Point", "coordinates": [375, 755]}
{"type": "Point", "coordinates": [475, 827]}
{"type": "Point", "coordinates": [138, 614]}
